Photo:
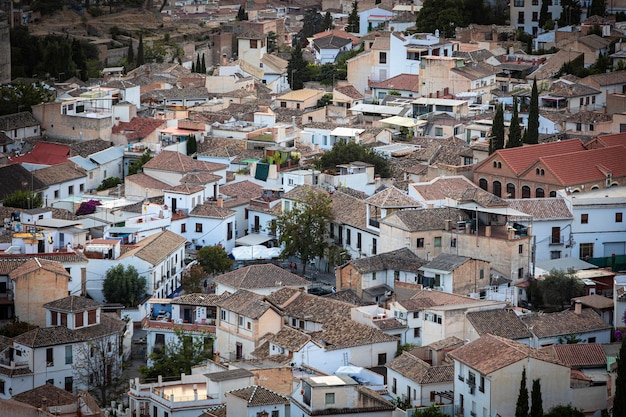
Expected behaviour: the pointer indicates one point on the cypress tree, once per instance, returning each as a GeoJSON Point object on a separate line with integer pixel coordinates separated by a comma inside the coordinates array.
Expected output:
{"type": "Point", "coordinates": [515, 133]}
{"type": "Point", "coordinates": [193, 66]}
{"type": "Point", "coordinates": [532, 135]}
{"type": "Point", "coordinates": [140, 53]}
{"type": "Point", "coordinates": [497, 131]}
{"type": "Point", "coordinates": [130, 58]}
{"type": "Point", "coordinates": [353, 19]}
{"type": "Point", "coordinates": [619, 401]}
{"type": "Point", "coordinates": [328, 22]}
{"type": "Point", "coordinates": [536, 402]}
{"type": "Point", "coordinates": [543, 13]}
{"type": "Point", "coordinates": [198, 64]}
{"type": "Point", "coordinates": [203, 71]}
{"type": "Point", "coordinates": [521, 407]}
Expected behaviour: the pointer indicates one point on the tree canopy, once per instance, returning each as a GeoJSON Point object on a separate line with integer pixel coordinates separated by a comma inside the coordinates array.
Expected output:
{"type": "Point", "coordinates": [21, 96]}
{"type": "Point", "coordinates": [296, 68]}
{"type": "Point", "coordinates": [619, 401]}
{"type": "Point", "coordinates": [303, 228]}
{"type": "Point", "coordinates": [515, 132]}
{"type": "Point", "coordinates": [559, 287]}
{"type": "Point", "coordinates": [447, 15]}
{"type": "Point", "coordinates": [536, 402]}
{"type": "Point", "coordinates": [137, 166]}
{"type": "Point", "coordinates": [353, 19]}
{"type": "Point", "coordinates": [532, 133]}
{"type": "Point", "coordinates": [344, 152]}
{"type": "Point", "coordinates": [521, 407]}
{"type": "Point", "coordinates": [567, 411]}
{"type": "Point", "coordinates": [124, 285]}
{"type": "Point", "coordinates": [22, 199]}
{"type": "Point", "coordinates": [496, 141]}
{"type": "Point", "coordinates": [214, 259]}
{"type": "Point", "coordinates": [192, 279]}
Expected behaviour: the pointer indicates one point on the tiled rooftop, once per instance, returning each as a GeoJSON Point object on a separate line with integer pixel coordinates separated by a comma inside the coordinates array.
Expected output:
{"type": "Point", "coordinates": [155, 248]}
{"type": "Point", "coordinates": [427, 219]}
{"type": "Point", "coordinates": [580, 355]}
{"type": "Point", "coordinates": [36, 264]}
{"type": "Point", "coordinates": [421, 372]}
{"type": "Point", "coordinates": [399, 260]}
{"type": "Point", "coordinates": [245, 303]}
{"type": "Point", "coordinates": [257, 396]}
{"type": "Point", "coordinates": [60, 173]}
{"type": "Point", "coordinates": [565, 323]}
{"type": "Point", "coordinates": [73, 304]}
{"type": "Point", "coordinates": [499, 322]}
{"type": "Point", "coordinates": [340, 333]}
{"type": "Point", "coordinates": [261, 276]}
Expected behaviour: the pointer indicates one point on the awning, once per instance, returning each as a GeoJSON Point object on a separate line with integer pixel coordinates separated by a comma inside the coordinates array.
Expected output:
{"type": "Point", "coordinates": [504, 211]}
{"type": "Point", "coordinates": [403, 121]}
{"type": "Point", "coordinates": [253, 239]}
{"type": "Point", "coordinates": [128, 230]}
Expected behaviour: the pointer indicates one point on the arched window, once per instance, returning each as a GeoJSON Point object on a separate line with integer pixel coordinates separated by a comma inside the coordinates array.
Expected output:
{"type": "Point", "coordinates": [595, 187]}
{"type": "Point", "coordinates": [499, 164]}
{"type": "Point", "coordinates": [539, 193]}
{"type": "Point", "coordinates": [495, 164]}
{"type": "Point", "coordinates": [497, 188]}
{"type": "Point", "coordinates": [552, 193]}
{"type": "Point", "coordinates": [543, 172]}
{"type": "Point", "coordinates": [537, 171]}
{"type": "Point", "coordinates": [525, 191]}
{"type": "Point", "coordinates": [482, 183]}
{"type": "Point", "coordinates": [510, 190]}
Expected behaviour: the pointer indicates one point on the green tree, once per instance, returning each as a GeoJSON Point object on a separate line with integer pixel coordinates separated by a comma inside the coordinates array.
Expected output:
{"type": "Point", "coordinates": [442, 15]}
{"type": "Point", "coordinates": [571, 13]}
{"type": "Point", "coordinates": [344, 152]}
{"type": "Point", "coordinates": [214, 259]}
{"type": "Point", "coordinates": [203, 71]}
{"type": "Point", "coordinates": [312, 23]}
{"type": "Point", "coordinates": [272, 42]}
{"type": "Point", "coordinates": [328, 22]}
{"type": "Point", "coordinates": [130, 57]}
{"type": "Point", "coordinates": [597, 8]}
{"type": "Point", "coordinates": [521, 407]}
{"type": "Point", "coordinates": [532, 134]}
{"type": "Point", "coordinates": [354, 21]}
{"type": "Point", "coordinates": [325, 100]}
{"type": "Point", "coordinates": [543, 13]}
{"type": "Point", "coordinates": [431, 411]}
{"type": "Point", "coordinates": [241, 14]}
{"type": "Point", "coordinates": [515, 132]}
{"type": "Point", "coordinates": [303, 229]}
{"type": "Point", "coordinates": [496, 140]}
{"type": "Point", "coordinates": [193, 278]}
{"type": "Point", "coordinates": [296, 68]}
{"type": "Point", "coordinates": [198, 64]}
{"type": "Point", "coordinates": [192, 145]}
{"type": "Point", "coordinates": [619, 400]}
{"type": "Point", "coordinates": [536, 402]}
{"type": "Point", "coordinates": [109, 183]}
{"type": "Point", "coordinates": [124, 285]}
{"type": "Point", "coordinates": [137, 166]}
{"type": "Point", "coordinates": [22, 199]}
{"type": "Point", "coordinates": [178, 356]}
{"type": "Point", "coordinates": [559, 287]}
{"type": "Point", "coordinates": [407, 347]}
{"type": "Point", "coordinates": [567, 411]}
{"type": "Point", "coordinates": [141, 59]}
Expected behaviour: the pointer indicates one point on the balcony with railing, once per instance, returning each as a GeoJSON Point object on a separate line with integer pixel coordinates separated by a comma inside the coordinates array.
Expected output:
{"type": "Point", "coordinates": [175, 394]}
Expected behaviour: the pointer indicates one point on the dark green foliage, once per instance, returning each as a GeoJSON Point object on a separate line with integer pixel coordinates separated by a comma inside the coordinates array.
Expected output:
{"type": "Point", "coordinates": [272, 42]}
{"type": "Point", "coordinates": [22, 199]}
{"type": "Point", "coordinates": [405, 348]}
{"type": "Point", "coordinates": [619, 400]}
{"type": "Point", "coordinates": [198, 64]}
{"type": "Point", "coordinates": [515, 132]}
{"type": "Point", "coordinates": [325, 100]}
{"type": "Point", "coordinates": [48, 7]}
{"type": "Point", "coordinates": [109, 183]}
{"type": "Point", "coordinates": [536, 402]}
{"type": "Point", "coordinates": [571, 13]}
{"type": "Point", "coordinates": [130, 57]}
{"type": "Point", "coordinates": [214, 259]}
{"type": "Point", "coordinates": [192, 279]}
{"type": "Point", "coordinates": [303, 229]}
{"type": "Point", "coordinates": [327, 24]}
{"type": "Point", "coordinates": [137, 166]}
{"type": "Point", "coordinates": [446, 15]}
{"type": "Point", "coordinates": [141, 58]}
{"type": "Point", "coordinates": [431, 411]}
{"type": "Point", "coordinates": [241, 14]}
{"type": "Point", "coordinates": [597, 8]}
{"type": "Point", "coordinates": [16, 327]}
{"type": "Point", "coordinates": [178, 356]}
{"type": "Point", "coordinates": [344, 152]}
{"type": "Point", "coordinates": [297, 68]}
{"type": "Point", "coordinates": [532, 134]}
{"type": "Point", "coordinates": [496, 141]}
{"type": "Point", "coordinates": [521, 407]}
{"type": "Point", "coordinates": [124, 286]}
{"type": "Point", "coordinates": [312, 23]}
{"type": "Point", "coordinates": [192, 145]}
{"type": "Point", "coordinates": [543, 13]}
{"type": "Point", "coordinates": [568, 411]}
{"type": "Point", "coordinates": [353, 19]}
{"type": "Point", "coordinates": [19, 96]}
{"type": "Point", "coordinates": [203, 71]}
{"type": "Point", "coordinates": [559, 287]}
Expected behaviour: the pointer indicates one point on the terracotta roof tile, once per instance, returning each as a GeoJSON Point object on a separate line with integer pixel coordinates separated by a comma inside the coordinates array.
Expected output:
{"type": "Point", "coordinates": [10, 263]}
{"type": "Point", "coordinates": [401, 82]}
{"type": "Point", "coordinates": [47, 395]}
{"type": "Point", "coordinates": [261, 276]}
{"type": "Point", "coordinates": [185, 189]}
{"type": "Point", "coordinates": [581, 355]}
{"type": "Point", "coordinates": [245, 303]}
{"type": "Point", "coordinates": [595, 301]}
{"type": "Point", "coordinates": [177, 162]}
{"type": "Point", "coordinates": [240, 192]}
{"type": "Point", "coordinates": [542, 208]}
{"type": "Point", "coordinates": [586, 166]}
{"type": "Point", "coordinates": [565, 323]}
{"type": "Point", "coordinates": [442, 187]}
{"type": "Point", "coordinates": [14, 177]}
{"type": "Point", "coordinates": [157, 247]}
{"type": "Point", "coordinates": [421, 372]}
{"type": "Point", "coordinates": [44, 153]}
{"type": "Point", "coordinates": [199, 299]}
{"type": "Point", "coordinates": [339, 333]}
{"type": "Point", "coordinates": [426, 219]}
{"type": "Point", "coordinates": [350, 91]}
{"type": "Point", "coordinates": [257, 396]}
{"type": "Point", "coordinates": [37, 264]}
{"type": "Point", "coordinates": [88, 147]}
{"type": "Point", "coordinates": [340, 33]}
{"type": "Point", "coordinates": [392, 198]}
{"type": "Point", "coordinates": [348, 209]}
{"type": "Point", "coordinates": [146, 181]}
{"type": "Point", "coordinates": [72, 304]}
{"type": "Point", "coordinates": [202, 178]}
{"type": "Point", "coordinates": [315, 309]}
{"type": "Point", "coordinates": [499, 322]}
{"type": "Point", "coordinates": [440, 298]}
{"type": "Point", "coordinates": [613, 140]}
{"type": "Point", "coordinates": [138, 127]}
{"type": "Point", "coordinates": [290, 339]}
{"type": "Point", "coordinates": [519, 159]}
{"type": "Point", "coordinates": [17, 121]}
{"type": "Point", "coordinates": [399, 260]}
{"type": "Point", "coordinates": [60, 173]}
{"type": "Point", "coordinates": [348, 295]}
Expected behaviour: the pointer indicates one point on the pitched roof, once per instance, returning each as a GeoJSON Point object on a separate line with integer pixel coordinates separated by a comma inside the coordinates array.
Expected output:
{"type": "Point", "coordinates": [392, 198]}
{"type": "Point", "coordinates": [565, 323]}
{"type": "Point", "coordinates": [402, 259]}
{"type": "Point", "coordinates": [9, 263]}
{"type": "Point", "coordinates": [73, 304]}
{"type": "Point", "coordinates": [499, 322]}
{"type": "Point", "coordinates": [138, 127]}
{"type": "Point", "coordinates": [15, 177]}
{"type": "Point", "coordinates": [586, 166]}
{"type": "Point", "coordinates": [240, 192]}
{"type": "Point", "coordinates": [569, 89]}
{"type": "Point", "coordinates": [441, 187]}
{"type": "Point", "coordinates": [595, 301]}
{"type": "Point", "coordinates": [155, 248]}
{"type": "Point", "coordinates": [177, 162]}
{"type": "Point", "coordinates": [290, 338]}
{"type": "Point", "coordinates": [260, 276]}
{"type": "Point", "coordinates": [44, 153]}
{"type": "Point", "coordinates": [212, 210]}
{"type": "Point", "coordinates": [348, 295]}
{"type": "Point", "coordinates": [331, 42]}
{"type": "Point", "coordinates": [245, 303]}
{"type": "Point", "coordinates": [475, 71]}
{"type": "Point", "coordinates": [199, 299]}
{"type": "Point", "coordinates": [446, 262]}
{"type": "Point", "coordinates": [146, 181]}
{"type": "Point", "coordinates": [580, 355]}
{"type": "Point", "coordinates": [350, 91]}
{"type": "Point", "coordinates": [57, 174]}
{"type": "Point", "coordinates": [427, 219]}
{"type": "Point", "coordinates": [542, 208]}
{"type": "Point", "coordinates": [339, 33]}
{"type": "Point", "coordinates": [491, 353]}
{"type": "Point", "coordinates": [340, 333]}
{"type": "Point", "coordinates": [605, 79]}
{"type": "Point", "coordinates": [37, 264]}
{"type": "Point", "coordinates": [401, 82]}
{"type": "Point", "coordinates": [256, 396]}
{"type": "Point", "coordinates": [314, 308]}
{"type": "Point", "coordinates": [184, 189]}
{"type": "Point", "coordinates": [613, 140]}
{"type": "Point", "coordinates": [348, 209]}
{"type": "Point", "coordinates": [419, 371]}
{"type": "Point", "coordinates": [594, 41]}
{"type": "Point", "coordinates": [47, 395]}
{"type": "Point", "coordinates": [19, 120]}
{"type": "Point", "coordinates": [434, 298]}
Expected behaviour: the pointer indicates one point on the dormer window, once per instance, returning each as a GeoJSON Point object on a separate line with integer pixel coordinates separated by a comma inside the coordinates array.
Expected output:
{"type": "Point", "coordinates": [79, 319]}
{"type": "Point", "coordinates": [91, 317]}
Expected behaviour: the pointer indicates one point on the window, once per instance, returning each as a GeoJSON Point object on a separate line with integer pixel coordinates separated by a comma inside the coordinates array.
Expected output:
{"type": "Point", "coordinates": [481, 387]}
{"type": "Point", "coordinates": [50, 381]}
{"type": "Point", "coordinates": [183, 228]}
{"type": "Point", "coordinates": [520, 249]}
{"type": "Point", "coordinates": [555, 254]}
{"type": "Point", "coordinates": [374, 248]}
{"type": "Point", "coordinates": [91, 317]}
{"type": "Point", "coordinates": [540, 193]}
{"type": "Point", "coordinates": [1, 386]}
{"type": "Point", "coordinates": [382, 359]}
{"type": "Point", "coordinates": [382, 57]}
{"type": "Point", "coordinates": [68, 355]}
{"type": "Point", "coordinates": [283, 104]}
{"type": "Point", "coordinates": [520, 18]}
{"type": "Point", "coordinates": [358, 241]}
{"type": "Point", "coordinates": [618, 217]}
{"type": "Point", "coordinates": [439, 131]}
{"type": "Point", "coordinates": [81, 187]}
{"type": "Point", "coordinates": [54, 318]}
{"type": "Point", "coordinates": [394, 385]}
{"type": "Point", "coordinates": [70, 190]}
{"type": "Point", "coordinates": [586, 250]}
{"type": "Point", "coordinates": [520, 273]}
{"type": "Point", "coordinates": [50, 357]}
{"type": "Point", "coordinates": [438, 241]}
{"type": "Point", "coordinates": [518, 3]}
{"type": "Point", "coordinates": [253, 44]}
{"type": "Point", "coordinates": [535, 16]}
{"type": "Point", "coordinates": [223, 314]}
{"type": "Point", "coordinates": [348, 237]}
{"type": "Point", "coordinates": [417, 332]}
{"type": "Point", "coordinates": [248, 325]}
{"type": "Point", "coordinates": [420, 242]}
{"type": "Point", "coordinates": [591, 340]}
{"type": "Point", "coordinates": [64, 319]}
{"type": "Point", "coordinates": [373, 276]}
{"type": "Point", "coordinates": [481, 273]}
{"type": "Point", "coordinates": [229, 231]}
{"type": "Point", "coordinates": [329, 398]}
{"type": "Point", "coordinates": [198, 227]}
{"type": "Point", "coordinates": [69, 384]}
{"type": "Point", "coordinates": [56, 193]}
{"type": "Point", "coordinates": [241, 320]}
{"type": "Point", "coordinates": [275, 413]}
{"type": "Point", "coordinates": [584, 218]}
{"type": "Point", "coordinates": [396, 275]}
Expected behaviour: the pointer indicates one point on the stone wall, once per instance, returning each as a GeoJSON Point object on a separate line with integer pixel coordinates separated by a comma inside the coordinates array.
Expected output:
{"type": "Point", "coordinates": [5, 50]}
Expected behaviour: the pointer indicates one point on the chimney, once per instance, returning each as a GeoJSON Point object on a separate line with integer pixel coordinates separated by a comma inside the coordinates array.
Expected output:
{"type": "Point", "coordinates": [578, 307]}
{"type": "Point", "coordinates": [220, 202]}
{"type": "Point", "coordinates": [293, 122]}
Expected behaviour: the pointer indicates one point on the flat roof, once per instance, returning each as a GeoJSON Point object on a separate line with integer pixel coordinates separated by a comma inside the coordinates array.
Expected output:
{"type": "Point", "coordinates": [439, 101]}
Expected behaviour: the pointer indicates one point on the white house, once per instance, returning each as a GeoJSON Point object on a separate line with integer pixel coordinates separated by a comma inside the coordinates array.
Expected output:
{"type": "Point", "coordinates": [374, 19]}
{"type": "Point", "coordinates": [63, 181]}
{"type": "Point", "coordinates": [261, 279]}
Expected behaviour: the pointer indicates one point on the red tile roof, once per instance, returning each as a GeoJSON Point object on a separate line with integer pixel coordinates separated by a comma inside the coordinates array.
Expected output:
{"type": "Point", "coordinates": [613, 140]}
{"type": "Point", "coordinates": [177, 162]}
{"type": "Point", "coordinates": [404, 82]}
{"type": "Point", "coordinates": [587, 166]}
{"type": "Point", "coordinates": [138, 127]}
{"type": "Point", "coordinates": [339, 33]}
{"type": "Point", "coordinates": [45, 154]}
{"type": "Point", "coordinates": [521, 158]}
{"type": "Point", "coordinates": [582, 355]}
